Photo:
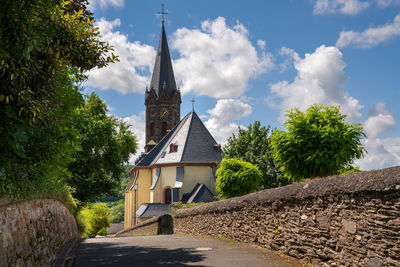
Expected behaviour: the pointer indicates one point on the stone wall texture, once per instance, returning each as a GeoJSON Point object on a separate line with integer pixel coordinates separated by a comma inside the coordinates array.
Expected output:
{"type": "Point", "coordinates": [348, 220]}
{"type": "Point", "coordinates": [33, 232]}
{"type": "Point", "coordinates": [162, 225]}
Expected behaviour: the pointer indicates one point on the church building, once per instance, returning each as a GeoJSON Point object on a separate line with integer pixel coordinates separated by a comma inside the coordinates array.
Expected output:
{"type": "Point", "coordinates": [181, 156]}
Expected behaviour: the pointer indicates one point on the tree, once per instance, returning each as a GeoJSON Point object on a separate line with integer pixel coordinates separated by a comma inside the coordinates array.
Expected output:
{"type": "Point", "coordinates": [318, 142]}
{"type": "Point", "coordinates": [104, 145]}
{"type": "Point", "coordinates": [117, 210]}
{"type": "Point", "coordinates": [46, 46]}
{"type": "Point", "coordinates": [236, 178]}
{"type": "Point", "coordinates": [253, 145]}
{"type": "Point", "coordinates": [94, 220]}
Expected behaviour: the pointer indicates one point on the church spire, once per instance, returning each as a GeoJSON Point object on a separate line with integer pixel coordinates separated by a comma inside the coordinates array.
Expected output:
{"type": "Point", "coordinates": [163, 72]}
{"type": "Point", "coordinates": [162, 99]}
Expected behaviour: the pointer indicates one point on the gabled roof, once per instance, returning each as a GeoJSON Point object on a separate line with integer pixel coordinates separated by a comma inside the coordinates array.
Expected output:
{"type": "Point", "coordinates": [193, 143]}
{"type": "Point", "coordinates": [200, 193]}
{"type": "Point", "coordinates": [149, 210]}
{"type": "Point", "coordinates": [163, 74]}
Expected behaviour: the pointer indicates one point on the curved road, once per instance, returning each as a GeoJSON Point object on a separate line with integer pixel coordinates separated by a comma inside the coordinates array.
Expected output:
{"type": "Point", "coordinates": [172, 250]}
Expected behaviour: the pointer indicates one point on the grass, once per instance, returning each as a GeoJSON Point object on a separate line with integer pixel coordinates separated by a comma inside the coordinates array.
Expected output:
{"type": "Point", "coordinates": [39, 188]}
{"type": "Point", "coordinates": [179, 205]}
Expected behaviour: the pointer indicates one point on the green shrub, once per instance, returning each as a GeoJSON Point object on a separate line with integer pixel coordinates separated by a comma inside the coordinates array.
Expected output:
{"type": "Point", "coordinates": [318, 142]}
{"type": "Point", "coordinates": [102, 231]}
{"type": "Point", "coordinates": [117, 210]}
{"type": "Point", "coordinates": [237, 177]}
{"type": "Point", "coordinates": [93, 220]}
{"type": "Point", "coordinates": [253, 145]}
{"type": "Point", "coordinates": [179, 205]}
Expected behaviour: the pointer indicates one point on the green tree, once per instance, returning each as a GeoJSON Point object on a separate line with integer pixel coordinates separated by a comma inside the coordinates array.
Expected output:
{"type": "Point", "coordinates": [253, 145]}
{"type": "Point", "coordinates": [117, 210]}
{"type": "Point", "coordinates": [237, 177]}
{"type": "Point", "coordinates": [318, 142]}
{"type": "Point", "coordinates": [104, 145]}
{"type": "Point", "coordinates": [45, 47]}
{"type": "Point", "coordinates": [94, 220]}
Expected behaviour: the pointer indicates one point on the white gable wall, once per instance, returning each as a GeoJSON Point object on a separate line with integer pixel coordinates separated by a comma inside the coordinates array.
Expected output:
{"type": "Point", "coordinates": [179, 139]}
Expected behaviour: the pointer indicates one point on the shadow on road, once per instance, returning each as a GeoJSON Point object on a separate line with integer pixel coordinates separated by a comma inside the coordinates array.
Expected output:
{"type": "Point", "coordinates": [110, 254]}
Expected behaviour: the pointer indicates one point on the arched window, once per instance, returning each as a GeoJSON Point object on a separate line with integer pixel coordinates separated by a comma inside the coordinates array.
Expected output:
{"type": "Point", "coordinates": [152, 129]}
{"type": "Point", "coordinates": [164, 128]}
{"type": "Point", "coordinates": [167, 195]}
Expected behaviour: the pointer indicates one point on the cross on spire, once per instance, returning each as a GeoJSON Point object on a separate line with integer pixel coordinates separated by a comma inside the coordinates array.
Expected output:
{"type": "Point", "coordinates": [162, 12]}
{"type": "Point", "coordinates": [193, 103]}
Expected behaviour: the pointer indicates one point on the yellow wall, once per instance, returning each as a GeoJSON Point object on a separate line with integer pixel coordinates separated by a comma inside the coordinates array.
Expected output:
{"type": "Point", "coordinates": [126, 211]}
{"type": "Point", "coordinates": [143, 183]}
{"type": "Point", "coordinates": [194, 175]}
{"type": "Point", "coordinates": [156, 190]}
{"type": "Point", "coordinates": [167, 178]}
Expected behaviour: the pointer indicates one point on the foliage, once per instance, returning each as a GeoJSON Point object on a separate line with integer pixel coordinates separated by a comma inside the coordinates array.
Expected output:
{"type": "Point", "coordinates": [117, 203]}
{"type": "Point", "coordinates": [124, 180]}
{"type": "Point", "coordinates": [319, 142]}
{"type": "Point", "coordinates": [93, 220]}
{"type": "Point", "coordinates": [117, 211]}
{"type": "Point", "coordinates": [179, 205]}
{"type": "Point", "coordinates": [253, 145]}
{"type": "Point", "coordinates": [349, 169]}
{"type": "Point", "coordinates": [45, 47]}
{"type": "Point", "coordinates": [104, 145]}
{"type": "Point", "coordinates": [237, 177]}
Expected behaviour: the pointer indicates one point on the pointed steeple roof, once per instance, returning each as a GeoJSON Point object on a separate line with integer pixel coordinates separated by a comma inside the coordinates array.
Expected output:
{"type": "Point", "coordinates": [194, 144]}
{"type": "Point", "coordinates": [163, 74]}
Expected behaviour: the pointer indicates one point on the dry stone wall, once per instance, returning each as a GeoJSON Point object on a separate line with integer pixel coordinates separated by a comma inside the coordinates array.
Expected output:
{"type": "Point", "coordinates": [162, 225]}
{"type": "Point", "coordinates": [349, 220]}
{"type": "Point", "coordinates": [33, 232]}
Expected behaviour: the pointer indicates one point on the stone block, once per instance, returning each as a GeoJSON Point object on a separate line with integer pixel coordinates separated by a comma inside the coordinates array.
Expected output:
{"type": "Point", "coordinates": [349, 226]}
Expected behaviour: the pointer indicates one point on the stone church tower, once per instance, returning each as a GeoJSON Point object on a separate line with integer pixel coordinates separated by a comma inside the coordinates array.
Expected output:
{"type": "Point", "coordinates": [163, 99]}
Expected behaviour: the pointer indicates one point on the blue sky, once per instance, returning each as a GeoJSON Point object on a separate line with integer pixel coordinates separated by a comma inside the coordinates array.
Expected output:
{"type": "Point", "coordinates": [251, 60]}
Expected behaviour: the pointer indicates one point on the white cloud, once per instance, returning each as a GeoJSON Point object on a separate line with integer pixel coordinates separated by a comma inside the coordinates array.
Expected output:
{"type": "Point", "coordinates": [217, 60]}
{"type": "Point", "coordinates": [379, 121]}
{"type": "Point", "coordinates": [320, 80]}
{"type": "Point", "coordinates": [382, 153]}
{"type": "Point", "coordinates": [371, 36]}
{"type": "Point", "coordinates": [347, 7]}
{"type": "Point", "coordinates": [132, 73]}
{"type": "Point", "coordinates": [105, 3]}
{"type": "Point", "coordinates": [137, 123]}
{"type": "Point", "coordinates": [221, 122]}
{"type": "Point", "coordinates": [289, 55]}
{"type": "Point", "coordinates": [386, 3]}
{"type": "Point", "coordinates": [262, 44]}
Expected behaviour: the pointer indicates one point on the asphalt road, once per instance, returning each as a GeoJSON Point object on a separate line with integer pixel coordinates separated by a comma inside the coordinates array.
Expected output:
{"type": "Point", "coordinates": [171, 250]}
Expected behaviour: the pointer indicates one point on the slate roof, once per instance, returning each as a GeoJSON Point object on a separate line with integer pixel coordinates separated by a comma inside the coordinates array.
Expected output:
{"type": "Point", "coordinates": [163, 71]}
{"type": "Point", "coordinates": [149, 210]}
{"type": "Point", "coordinates": [200, 193]}
{"type": "Point", "coordinates": [195, 145]}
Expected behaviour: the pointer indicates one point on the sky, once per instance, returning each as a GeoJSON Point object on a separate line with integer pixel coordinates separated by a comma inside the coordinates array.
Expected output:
{"type": "Point", "coordinates": [243, 61]}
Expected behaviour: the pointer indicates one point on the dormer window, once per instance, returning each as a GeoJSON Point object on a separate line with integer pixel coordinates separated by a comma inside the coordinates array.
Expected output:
{"type": "Point", "coordinates": [217, 147]}
{"type": "Point", "coordinates": [173, 148]}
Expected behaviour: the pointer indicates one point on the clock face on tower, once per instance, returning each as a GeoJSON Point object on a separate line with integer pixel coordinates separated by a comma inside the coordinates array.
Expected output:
{"type": "Point", "coordinates": [164, 113]}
